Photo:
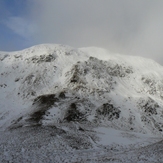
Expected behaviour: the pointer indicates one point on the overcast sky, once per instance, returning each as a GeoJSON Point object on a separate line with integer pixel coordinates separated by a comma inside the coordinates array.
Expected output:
{"type": "Point", "coordinates": [133, 27]}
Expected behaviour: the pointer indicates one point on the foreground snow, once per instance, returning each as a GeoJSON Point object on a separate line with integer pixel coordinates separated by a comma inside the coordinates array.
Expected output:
{"type": "Point", "coordinates": [50, 144]}
{"type": "Point", "coordinates": [60, 104]}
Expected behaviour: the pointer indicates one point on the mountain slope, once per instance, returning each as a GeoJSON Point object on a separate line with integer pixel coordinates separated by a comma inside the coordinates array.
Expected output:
{"type": "Point", "coordinates": [60, 104]}
{"type": "Point", "coordinates": [49, 84]}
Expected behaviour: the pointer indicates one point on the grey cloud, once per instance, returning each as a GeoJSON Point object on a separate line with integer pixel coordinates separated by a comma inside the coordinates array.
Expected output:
{"type": "Point", "coordinates": [123, 26]}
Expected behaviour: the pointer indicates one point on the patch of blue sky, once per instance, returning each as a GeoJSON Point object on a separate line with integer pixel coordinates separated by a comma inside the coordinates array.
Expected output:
{"type": "Point", "coordinates": [10, 39]}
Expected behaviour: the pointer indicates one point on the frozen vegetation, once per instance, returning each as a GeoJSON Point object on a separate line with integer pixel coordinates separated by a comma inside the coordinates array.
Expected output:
{"type": "Point", "coordinates": [60, 104]}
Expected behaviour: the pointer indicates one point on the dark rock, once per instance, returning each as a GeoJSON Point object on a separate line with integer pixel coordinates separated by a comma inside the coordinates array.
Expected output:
{"type": "Point", "coordinates": [73, 114]}
{"type": "Point", "coordinates": [62, 95]}
{"type": "Point", "coordinates": [108, 110]}
{"type": "Point", "coordinates": [47, 100]}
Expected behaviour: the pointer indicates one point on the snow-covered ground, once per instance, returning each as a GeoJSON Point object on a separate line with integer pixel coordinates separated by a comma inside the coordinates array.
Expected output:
{"type": "Point", "coordinates": [60, 104]}
{"type": "Point", "coordinates": [50, 144]}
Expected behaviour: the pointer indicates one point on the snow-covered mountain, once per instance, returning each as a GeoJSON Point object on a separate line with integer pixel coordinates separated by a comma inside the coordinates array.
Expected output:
{"type": "Point", "coordinates": [76, 90]}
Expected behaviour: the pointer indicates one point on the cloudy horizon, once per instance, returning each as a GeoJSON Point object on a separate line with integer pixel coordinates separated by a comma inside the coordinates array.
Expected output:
{"type": "Point", "coordinates": [121, 26]}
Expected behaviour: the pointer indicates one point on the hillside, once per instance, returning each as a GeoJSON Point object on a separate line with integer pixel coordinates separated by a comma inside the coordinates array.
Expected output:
{"type": "Point", "coordinates": [83, 97]}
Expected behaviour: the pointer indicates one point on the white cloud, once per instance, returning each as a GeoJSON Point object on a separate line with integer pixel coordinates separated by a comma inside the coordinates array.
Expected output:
{"type": "Point", "coordinates": [124, 26]}
{"type": "Point", "coordinates": [20, 26]}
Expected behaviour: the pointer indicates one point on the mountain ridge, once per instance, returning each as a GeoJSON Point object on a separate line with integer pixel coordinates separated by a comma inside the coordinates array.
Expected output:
{"type": "Point", "coordinates": [62, 104]}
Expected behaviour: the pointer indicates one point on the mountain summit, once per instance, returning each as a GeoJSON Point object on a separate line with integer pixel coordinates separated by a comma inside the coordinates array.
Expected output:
{"type": "Point", "coordinates": [76, 90]}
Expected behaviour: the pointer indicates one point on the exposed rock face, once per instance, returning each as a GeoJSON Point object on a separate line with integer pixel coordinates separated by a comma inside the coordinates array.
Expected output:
{"type": "Point", "coordinates": [107, 110]}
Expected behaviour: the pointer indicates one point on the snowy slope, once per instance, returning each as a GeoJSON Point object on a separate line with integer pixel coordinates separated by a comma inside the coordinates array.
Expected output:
{"type": "Point", "coordinates": [83, 94]}
{"type": "Point", "coordinates": [103, 88]}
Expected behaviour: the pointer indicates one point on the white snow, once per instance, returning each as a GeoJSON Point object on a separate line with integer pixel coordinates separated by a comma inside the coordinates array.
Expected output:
{"type": "Point", "coordinates": [109, 136]}
{"type": "Point", "coordinates": [116, 101]}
